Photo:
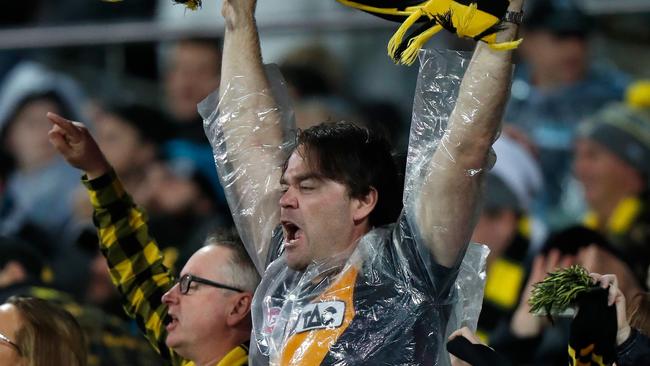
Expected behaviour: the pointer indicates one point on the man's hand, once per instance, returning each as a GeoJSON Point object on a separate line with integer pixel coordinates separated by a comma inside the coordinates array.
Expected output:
{"type": "Point", "coordinates": [238, 13]}
{"type": "Point", "coordinates": [598, 260]}
{"type": "Point", "coordinates": [77, 146]}
{"type": "Point", "coordinates": [615, 296]}
{"type": "Point", "coordinates": [466, 349]}
{"type": "Point", "coordinates": [462, 332]}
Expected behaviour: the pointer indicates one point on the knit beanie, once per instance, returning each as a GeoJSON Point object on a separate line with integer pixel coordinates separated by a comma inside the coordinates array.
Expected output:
{"type": "Point", "coordinates": [624, 129]}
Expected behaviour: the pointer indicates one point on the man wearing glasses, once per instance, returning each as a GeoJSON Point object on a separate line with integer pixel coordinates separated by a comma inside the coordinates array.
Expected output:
{"type": "Point", "coordinates": [202, 319]}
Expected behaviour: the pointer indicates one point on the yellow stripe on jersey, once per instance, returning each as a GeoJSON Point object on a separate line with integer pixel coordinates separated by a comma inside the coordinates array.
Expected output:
{"type": "Point", "coordinates": [310, 347]}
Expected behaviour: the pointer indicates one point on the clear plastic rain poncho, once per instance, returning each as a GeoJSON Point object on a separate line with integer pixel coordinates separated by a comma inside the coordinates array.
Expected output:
{"type": "Point", "coordinates": [388, 302]}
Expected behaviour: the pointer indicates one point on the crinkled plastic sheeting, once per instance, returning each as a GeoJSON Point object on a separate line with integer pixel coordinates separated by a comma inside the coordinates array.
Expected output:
{"type": "Point", "coordinates": [246, 192]}
{"type": "Point", "coordinates": [441, 73]}
{"type": "Point", "coordinates": [386, 303]}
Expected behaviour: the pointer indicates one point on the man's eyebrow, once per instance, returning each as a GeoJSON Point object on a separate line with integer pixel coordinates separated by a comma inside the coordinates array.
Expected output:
{"type": "Point", "coordinates": [302, 177]}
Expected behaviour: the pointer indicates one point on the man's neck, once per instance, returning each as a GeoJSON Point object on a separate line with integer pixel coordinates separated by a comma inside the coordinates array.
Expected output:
{"type": "Point", "coordinates": [335, 262]}
{"type": "Point", "coordinates": [213, 357]}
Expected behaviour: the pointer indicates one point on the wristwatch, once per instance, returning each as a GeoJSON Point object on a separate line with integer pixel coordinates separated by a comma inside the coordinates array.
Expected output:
{"type": "Point", "coordinates": [514, 17]}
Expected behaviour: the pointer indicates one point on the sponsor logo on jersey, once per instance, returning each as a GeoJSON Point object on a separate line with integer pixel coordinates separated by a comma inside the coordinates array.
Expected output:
{"type": "Point", "coordinates": [320, 315]}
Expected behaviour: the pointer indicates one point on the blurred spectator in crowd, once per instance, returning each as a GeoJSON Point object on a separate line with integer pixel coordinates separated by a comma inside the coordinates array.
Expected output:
{"type": "Point", "coordinates": [554, 88]}
{"type": "Point", "coordinates": [37, 332]}
{"type": "Point", "coordinates": [131, 136]}
{"type": "Point", "coordinates": [109, 340]}
{"type": "Point", "coordinates": [40, 188]}
{"type": "Point", "coordinates": [315, 77]}
{"type": "Point", "coordinates": [527, 339]}
{"type": "Point", "coordinates": [12, 222]}
{"type": "Point", "coordinates": [192, 70]}
{"type": "Point", "coordinates": [312, 71]}
{"type": "Point", "coordinates": [183, 208]}
{"type": "Point", "coordinates": [505, 227]}
{"type": "Point", "coordinates": [613, 164]}
{"type": "Point", "coordinates": [204, 317]}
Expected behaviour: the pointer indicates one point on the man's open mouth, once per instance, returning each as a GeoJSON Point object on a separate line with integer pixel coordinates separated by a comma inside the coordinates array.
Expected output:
{"type": "Point", "coordinates": [292, 232]}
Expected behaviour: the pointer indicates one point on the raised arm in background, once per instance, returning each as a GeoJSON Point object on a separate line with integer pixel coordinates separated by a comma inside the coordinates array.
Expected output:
{"type": "Point", "coordinates": [447, 205]}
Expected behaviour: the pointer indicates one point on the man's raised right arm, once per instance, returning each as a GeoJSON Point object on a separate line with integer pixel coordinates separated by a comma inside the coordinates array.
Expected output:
{"type": "Point", "coordinates": [246, 132]}
{"type": "Point", "coordinates": [134, 259]}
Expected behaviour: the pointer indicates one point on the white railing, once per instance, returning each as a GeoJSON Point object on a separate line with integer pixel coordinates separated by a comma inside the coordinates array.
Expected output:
{"type": "Point", "coordinates": [129, 32]}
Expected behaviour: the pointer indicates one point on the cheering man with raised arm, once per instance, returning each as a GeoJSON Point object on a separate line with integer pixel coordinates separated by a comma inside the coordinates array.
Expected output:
{"type": "Point", "coordinates": [202, 318]}
{"type": "Point", "coordinates": [349, 277]}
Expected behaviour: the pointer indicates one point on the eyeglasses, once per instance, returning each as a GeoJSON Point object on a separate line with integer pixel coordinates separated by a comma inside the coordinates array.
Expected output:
{"type": "Point", "coordinates": [4, 338]}
{"type": "Point", "coordinates": [186, 280]}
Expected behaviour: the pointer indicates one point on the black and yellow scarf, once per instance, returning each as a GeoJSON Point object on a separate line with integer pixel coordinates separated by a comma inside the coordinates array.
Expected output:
{"type": "Point", "coordinates": [480, 20]}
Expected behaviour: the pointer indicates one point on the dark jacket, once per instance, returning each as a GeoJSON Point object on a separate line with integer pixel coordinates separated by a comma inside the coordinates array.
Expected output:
{"type": "Point", "coordinates": [634, 351]}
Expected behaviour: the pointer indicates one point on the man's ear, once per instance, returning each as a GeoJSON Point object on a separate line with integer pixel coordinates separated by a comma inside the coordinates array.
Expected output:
{"type": "Point", "coordinates": [240, 309]}
{"type": "Point", "coordinates": [363, 206]}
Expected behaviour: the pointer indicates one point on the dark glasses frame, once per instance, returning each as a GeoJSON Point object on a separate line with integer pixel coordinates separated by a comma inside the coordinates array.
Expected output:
{"type": "Point", "coordinates": [6, 339]}
{"type": "Point", "coordinates": [186, 280]}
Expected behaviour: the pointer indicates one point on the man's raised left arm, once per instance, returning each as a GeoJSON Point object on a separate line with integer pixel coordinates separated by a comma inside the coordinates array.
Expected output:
{"type": "Point", "coordinates": [447, 206]}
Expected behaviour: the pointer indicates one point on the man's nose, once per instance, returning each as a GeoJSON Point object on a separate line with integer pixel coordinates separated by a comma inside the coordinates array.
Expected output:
{"type": "Point", "coordinates": [171, 296]}
{"type": "Point", "coordinates": [288, 199]}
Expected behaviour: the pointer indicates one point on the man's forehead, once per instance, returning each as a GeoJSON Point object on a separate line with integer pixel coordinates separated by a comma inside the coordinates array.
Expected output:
{"type": "Point", "coordinates": [207, 261]}
{"type": "Point", "coordinates": [289, 177]}
{"type": "Point", "coordinates": [299, 167]}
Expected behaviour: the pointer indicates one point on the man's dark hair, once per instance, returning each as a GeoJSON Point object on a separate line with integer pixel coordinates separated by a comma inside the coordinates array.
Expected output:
{"type": "Point", "coordinates": [358, 158]}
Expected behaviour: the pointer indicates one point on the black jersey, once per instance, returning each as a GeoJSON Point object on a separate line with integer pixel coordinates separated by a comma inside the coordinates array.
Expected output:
{"type": "Point", "coordinates": [387, 304]}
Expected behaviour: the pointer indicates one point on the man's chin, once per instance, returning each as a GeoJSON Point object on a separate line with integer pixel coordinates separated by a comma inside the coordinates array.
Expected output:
{"type": "Point", "coordinates": [178, 347]}
{"type": "Point", "coordinates": [171, 341]}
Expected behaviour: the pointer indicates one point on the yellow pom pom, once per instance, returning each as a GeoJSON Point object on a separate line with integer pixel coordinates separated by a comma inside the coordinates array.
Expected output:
{"type": "Point", "coordinates": [638, 94]}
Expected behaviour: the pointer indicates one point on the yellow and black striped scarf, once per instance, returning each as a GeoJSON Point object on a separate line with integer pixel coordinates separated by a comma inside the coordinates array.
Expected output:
{"type": "Point", "coordinates": [476, 19]}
